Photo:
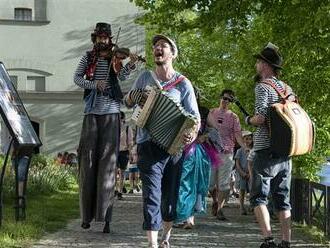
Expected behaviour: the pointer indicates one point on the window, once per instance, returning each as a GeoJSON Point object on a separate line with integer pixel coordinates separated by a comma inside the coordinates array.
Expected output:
{"type": "Point", "coordinates": [13, 79]}
{"type": "Point", "coordinates": [36, 83]}
{"type": "Point", "coordinates": [23, 14]}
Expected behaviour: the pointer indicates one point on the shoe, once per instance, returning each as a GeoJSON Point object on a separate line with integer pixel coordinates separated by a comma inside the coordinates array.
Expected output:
{"type": "Point", "coordinates": [164, 244]}
{"type": "Point", "coordinates": [221, 216]}
{"type": "Point", "coordinates": [269, 243]}
{"type": "Point", "coordinates": [178, 225]}
{"type": "Point", "coordinates": [130, 191]}
{"type": "Point", "coordinates": [106, 228]}
{"type": "Point", "coordinates": [214, 208]}
{"type": "Point", "coordinates": [137, 188]}
{"type": "Point", "coordinates": [116, 192]}
{"type": "Point", "coordinates": [85, 225]}
{"type": "Point", "coordinates": [188, 225]}
{"type": "Point", "coordinates": [284, 244]}
{"type": "Point", "coordinates": [124, 190]}
{"type": "Point", "coordinates": [120, 196]}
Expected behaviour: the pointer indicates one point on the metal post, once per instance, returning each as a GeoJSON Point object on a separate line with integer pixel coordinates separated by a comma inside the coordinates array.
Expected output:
{"type": "Point", "coordinates": [1, 179]}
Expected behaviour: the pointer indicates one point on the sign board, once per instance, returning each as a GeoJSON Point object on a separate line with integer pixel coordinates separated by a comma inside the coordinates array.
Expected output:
{"type": "Point", "coordinates": [14, 114]}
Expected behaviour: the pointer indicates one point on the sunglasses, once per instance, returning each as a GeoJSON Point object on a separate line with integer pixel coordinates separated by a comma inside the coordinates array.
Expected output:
{"type": "Point", "coordinates": [227, 99]}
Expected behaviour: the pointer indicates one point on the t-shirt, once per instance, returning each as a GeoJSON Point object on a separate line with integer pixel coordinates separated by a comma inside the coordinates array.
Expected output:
{"type": "Point", "coordinates": [183, 92]}
{"type": "Point", "coordinates": [228, 125]}
{"type": "Point", "coordinates": [241, 156]}
{"type": "Point", "coordinates": [265, 96]}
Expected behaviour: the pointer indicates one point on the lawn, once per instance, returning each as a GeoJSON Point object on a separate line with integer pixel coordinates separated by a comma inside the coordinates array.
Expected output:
{"type": "Point", "coordinates": [45, 213]}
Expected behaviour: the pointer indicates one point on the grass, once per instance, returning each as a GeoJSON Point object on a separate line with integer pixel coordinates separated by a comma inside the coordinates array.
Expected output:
{"type": "Point", "coordinates": [45, 213]}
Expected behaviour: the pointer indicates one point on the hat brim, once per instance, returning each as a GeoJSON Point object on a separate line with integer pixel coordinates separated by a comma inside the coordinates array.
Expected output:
{"type": "Point", "coordinates": [158, 37]}
{"type": "Point", "coordinates": [259, 56]}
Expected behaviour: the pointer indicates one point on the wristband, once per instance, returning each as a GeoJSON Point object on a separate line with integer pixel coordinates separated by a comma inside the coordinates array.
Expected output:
{"type": "Point", "coordinates": [247, 120]}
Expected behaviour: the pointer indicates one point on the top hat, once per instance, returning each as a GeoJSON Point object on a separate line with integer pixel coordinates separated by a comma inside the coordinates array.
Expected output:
{"type": "Point", "coordinates": [174, 48]}
{"type": "Point", "coordinates": [103, 28]}
{"type": "Point", "coordinates": [270, 55]}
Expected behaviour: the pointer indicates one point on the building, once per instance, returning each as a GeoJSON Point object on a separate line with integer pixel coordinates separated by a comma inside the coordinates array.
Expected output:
{"type": "Point", "coordinates": [42, 42]}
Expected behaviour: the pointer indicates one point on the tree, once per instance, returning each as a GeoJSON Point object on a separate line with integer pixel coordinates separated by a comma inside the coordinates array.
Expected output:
{"type": "Point", "coordinates": [217, 39]}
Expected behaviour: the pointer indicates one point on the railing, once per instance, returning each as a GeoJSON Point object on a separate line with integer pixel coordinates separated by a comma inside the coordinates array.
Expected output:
{"type": "Point", "coordinates": [311, 204]}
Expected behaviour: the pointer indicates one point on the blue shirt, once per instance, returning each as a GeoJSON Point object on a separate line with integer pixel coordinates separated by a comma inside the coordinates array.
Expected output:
{"type": "Point", "coordinates": [183, 92]}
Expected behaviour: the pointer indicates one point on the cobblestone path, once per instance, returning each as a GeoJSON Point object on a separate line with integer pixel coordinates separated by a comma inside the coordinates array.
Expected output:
{"type": "Point", "coordinates": [126, 231]}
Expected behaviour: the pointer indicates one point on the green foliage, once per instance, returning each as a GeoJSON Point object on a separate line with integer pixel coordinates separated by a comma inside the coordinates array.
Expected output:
{"type": "Point", "coordinates": [45, 213]}
{"type": "Point", "coordinates": [45, 176]}
{"type": "Point", "coordinates": [217, 38]}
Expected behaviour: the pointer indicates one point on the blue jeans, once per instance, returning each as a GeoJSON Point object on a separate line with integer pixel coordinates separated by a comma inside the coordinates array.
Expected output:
{"type": "Point", "coordinates": [160, 175]}
{"type": "Point", "coordinates": [271, 175]}
{"type": "Point", "coordinates": [22, 164]}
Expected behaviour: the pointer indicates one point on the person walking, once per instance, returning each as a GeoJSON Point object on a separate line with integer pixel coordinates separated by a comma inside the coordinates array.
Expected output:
{"type": "Point", "coordinates": [270, 172]}
{"type": "Point", "coordinates": [160, 172]}
{"type": "Point", "coordinates": [98, 73]}
{"type": "Point", "coordinates": [229, 128]}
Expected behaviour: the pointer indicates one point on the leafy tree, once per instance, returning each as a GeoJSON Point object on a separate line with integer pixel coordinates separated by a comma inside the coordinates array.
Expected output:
{"type": "Point", "coordinates": [217, 39]}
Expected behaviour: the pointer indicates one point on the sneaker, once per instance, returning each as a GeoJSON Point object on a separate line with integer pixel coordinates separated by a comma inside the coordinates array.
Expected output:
{"type": "Point", "coordinates": [188, 225]}
{"type": "Point", "coordinates": [164, 244]}
{"type": "Point", "coordinates": [137, 188]}
{"type": "Point", "coordinates": [130, 191]}
{"type": "Point", "coordinates": [120, 196]}
{"type": "Point", "coordinates": [85, 225]}
{"type": "Point", "coordinates": [221, 216]}
{"type": "Point", "coordinates": [284, 244]}
{"type": "Point", "coordinates": [268, 243]}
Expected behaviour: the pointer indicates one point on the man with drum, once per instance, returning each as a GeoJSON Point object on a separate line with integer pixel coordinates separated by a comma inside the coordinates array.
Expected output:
{"type": "Point", "coordinates": [271, 173]}
{"type": "Point", "coordinates": [160, 172]}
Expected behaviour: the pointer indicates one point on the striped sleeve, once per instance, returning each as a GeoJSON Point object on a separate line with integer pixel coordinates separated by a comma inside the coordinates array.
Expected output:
{"type": "Point", "coordinates": [261, 96]}
{"type": "Point", "coordinates": [80, 73]}
{"type": "Point", "coordinates": [126, 71]}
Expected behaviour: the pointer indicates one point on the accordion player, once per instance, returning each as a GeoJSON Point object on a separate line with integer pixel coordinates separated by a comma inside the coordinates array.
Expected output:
{"type": "Point", "coordinates": [165, 119]}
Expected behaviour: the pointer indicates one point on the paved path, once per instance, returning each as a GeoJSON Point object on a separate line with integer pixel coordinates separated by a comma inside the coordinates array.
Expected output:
{"type": "Point", "coordinates": [126, 231]}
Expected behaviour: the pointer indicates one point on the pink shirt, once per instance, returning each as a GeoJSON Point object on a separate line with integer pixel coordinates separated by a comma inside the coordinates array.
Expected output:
{"type": "Point", "coordinates": [228, 125]}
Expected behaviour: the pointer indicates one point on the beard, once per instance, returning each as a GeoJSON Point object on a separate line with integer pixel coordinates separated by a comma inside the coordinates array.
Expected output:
{"type": "Point", "coordinates": [102, 47]}
{"type": "Point", "coordinates": [160, 62]}
{"type": "Point", "coordinates": [257, 78]}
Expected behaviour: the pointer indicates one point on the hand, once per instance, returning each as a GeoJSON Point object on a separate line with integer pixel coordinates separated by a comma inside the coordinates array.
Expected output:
{"type": "Point", "coordinates": [133, 58]}
{"type": "Point", "coordinates": [202, 138]}
{"type": "Point", "coordinates": [138, 96]}
{"type": "Point", "coordinates": [100, 85]}
{"type": "Point", "coordinates": [188, 138]}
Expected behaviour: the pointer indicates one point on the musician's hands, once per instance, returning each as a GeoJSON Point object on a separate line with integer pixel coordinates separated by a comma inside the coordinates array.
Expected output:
{"type": "Point", "coordinates": [133, 58]}
{"type": "Point", "coordinates": [138, 96]}
{"type": "Point", "coordinates": [101, 85]}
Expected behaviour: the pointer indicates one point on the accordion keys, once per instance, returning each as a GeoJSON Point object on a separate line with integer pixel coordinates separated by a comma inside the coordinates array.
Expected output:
{"type": "Point", "coordinates": [165, 119]}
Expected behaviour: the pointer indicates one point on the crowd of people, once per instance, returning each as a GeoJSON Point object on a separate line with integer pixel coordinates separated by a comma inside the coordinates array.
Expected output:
{"type": "Point", "coordinates": [175, 186]}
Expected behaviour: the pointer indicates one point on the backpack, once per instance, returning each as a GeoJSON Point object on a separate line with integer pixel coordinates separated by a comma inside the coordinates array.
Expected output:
{"type": "Point", "coordinates": [291, 130]}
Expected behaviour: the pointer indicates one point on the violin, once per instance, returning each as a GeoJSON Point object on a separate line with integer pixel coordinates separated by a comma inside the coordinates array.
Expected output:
{"type": "Point", "coordinates": [123, 53]}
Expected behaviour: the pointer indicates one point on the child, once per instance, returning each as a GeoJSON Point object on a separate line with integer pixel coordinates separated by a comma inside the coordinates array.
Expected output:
{"type": "Point", "coordinates": [133, 171]}
{"type": "Point", "coordinates": [242, 169]}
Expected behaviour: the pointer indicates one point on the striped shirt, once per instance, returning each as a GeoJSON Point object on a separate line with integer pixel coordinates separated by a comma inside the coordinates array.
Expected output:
{"type": "Point", "coordinates": [265, 96]}
{"type": "Point", "coordinates": [103, 104]}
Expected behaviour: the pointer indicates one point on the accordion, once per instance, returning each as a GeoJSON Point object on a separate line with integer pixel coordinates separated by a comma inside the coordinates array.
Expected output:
{"type": "Point", "coordinates": [291, 130]}
{"type": "Point", "coordinates": [165, 119]}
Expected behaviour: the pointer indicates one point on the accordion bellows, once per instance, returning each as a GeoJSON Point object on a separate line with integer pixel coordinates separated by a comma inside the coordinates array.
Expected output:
{"type": "Point", "coordinates": [292, 131]}
{"type": "Point", "coordinates": [165, 119]}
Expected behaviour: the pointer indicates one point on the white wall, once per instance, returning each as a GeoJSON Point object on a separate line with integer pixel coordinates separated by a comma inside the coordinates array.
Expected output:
{"type": "Point", "coordinates": [52, 48]}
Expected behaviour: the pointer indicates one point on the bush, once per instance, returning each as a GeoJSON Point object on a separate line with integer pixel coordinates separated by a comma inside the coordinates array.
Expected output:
{"type": "Point", "coordinates": [45, 176]}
